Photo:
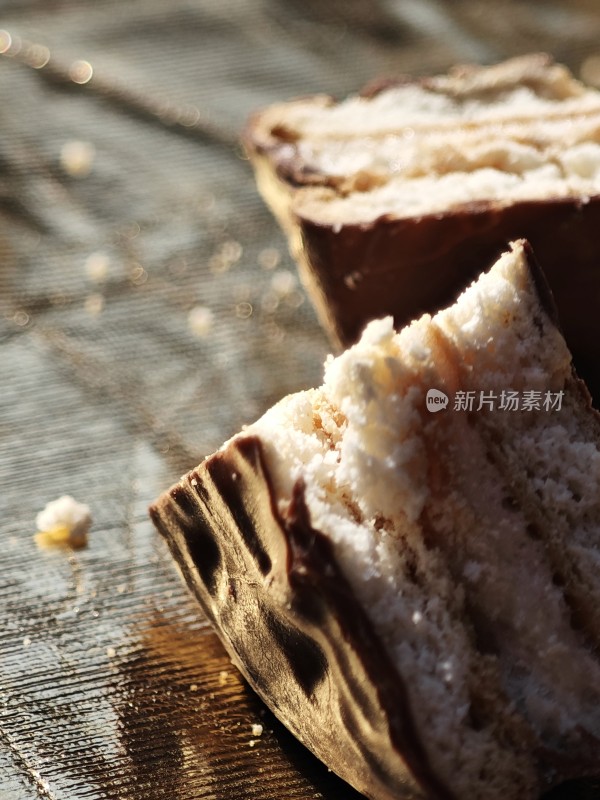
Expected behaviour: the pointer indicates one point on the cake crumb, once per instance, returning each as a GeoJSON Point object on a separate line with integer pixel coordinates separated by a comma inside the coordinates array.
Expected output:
{"type": "Point", "coordinates": [96, 267]}
{"type": "Point", "coordinates": [200, 321]}
{"type": "Point", "coordinates": [223, 675]}
{"type": "Point", "coordinates": [251, 743]}
{"type": "Point", "coordinates": [257, 730]}
{"type": "Point", "coordinates": [193, 687]}
{"type": "Point", "coordinates": [111, 652]}
{"type": "Point", "coordinates": [77, 158]}
{"type": "Point", "coordinates": [63, 523]}
{"type": "Point", "coordinates": [26, 641]}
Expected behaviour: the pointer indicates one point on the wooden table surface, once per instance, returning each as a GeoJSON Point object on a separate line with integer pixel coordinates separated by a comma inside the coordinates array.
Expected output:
{"type": "Point", "coordinates": [125, 204]}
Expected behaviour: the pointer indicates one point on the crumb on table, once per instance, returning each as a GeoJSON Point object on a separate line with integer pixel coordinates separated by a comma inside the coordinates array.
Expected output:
{"type": "Point", "coordinates": [63, 523]}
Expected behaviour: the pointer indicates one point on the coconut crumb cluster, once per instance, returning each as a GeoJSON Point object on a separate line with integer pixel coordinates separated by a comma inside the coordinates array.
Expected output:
{"type": "Point", "coordinates": [63, 523]}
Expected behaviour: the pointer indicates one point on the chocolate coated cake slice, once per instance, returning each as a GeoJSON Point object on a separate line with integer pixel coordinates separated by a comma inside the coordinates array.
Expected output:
{"type": "Point", "coordinates": [405, 562]}
{"type": "Point", "coordinates": [394, 200]}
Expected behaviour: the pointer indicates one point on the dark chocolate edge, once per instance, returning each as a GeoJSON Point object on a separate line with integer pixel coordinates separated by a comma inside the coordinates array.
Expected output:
{"type": "Point", "coordinates": [478, 231]}
{"type": "Point", "coordinates": [257, 143]}
{"type": "Point", "coordinates": [310, 567]}
{"type": "Point", "coordinates": [468, 209]}
{"type": "Point", "coordinates": [542, 287]}
{"type": "Point", "coordinates": [319, 556]}
{"type": "Point", "coordinates": [548, 303]}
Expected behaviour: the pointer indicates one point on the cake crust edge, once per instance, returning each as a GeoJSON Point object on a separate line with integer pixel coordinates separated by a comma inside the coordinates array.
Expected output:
{"type": "Point", "coordinates": [272, 589]}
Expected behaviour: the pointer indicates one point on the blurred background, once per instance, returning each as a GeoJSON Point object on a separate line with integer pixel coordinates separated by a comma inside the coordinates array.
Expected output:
{"type": "Point", "coordinates": [148, 309]}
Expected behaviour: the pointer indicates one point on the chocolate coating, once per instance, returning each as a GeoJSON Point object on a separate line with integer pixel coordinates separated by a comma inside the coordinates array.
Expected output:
{"type": "Point", "coordinates": [270, 585]}
{"type": "Point", "coordinates": [405, 267]}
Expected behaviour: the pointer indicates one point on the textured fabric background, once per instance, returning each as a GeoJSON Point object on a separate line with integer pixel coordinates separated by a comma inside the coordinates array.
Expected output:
{"type": "Point", "coordinates": [125, 204]}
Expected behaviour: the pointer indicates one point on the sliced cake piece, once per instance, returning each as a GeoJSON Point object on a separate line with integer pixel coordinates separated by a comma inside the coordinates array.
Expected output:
{"type": "Point", "coordinates": [404, 562]}
{"type": "Point", "coordinates": [394, 200]}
